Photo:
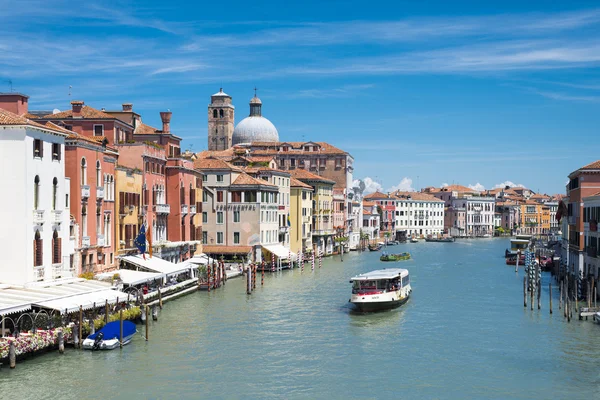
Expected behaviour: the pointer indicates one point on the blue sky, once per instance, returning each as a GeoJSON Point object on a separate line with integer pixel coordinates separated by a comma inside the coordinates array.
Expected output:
{"type": "Point", "coordinates": [420, 93]}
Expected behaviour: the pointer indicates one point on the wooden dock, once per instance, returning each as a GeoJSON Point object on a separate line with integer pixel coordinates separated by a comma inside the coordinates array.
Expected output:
{"type": "Point", "coordinates": [588, 312]}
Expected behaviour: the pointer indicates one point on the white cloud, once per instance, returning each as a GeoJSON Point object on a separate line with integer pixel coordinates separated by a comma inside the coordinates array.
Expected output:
{"type": "Point", "coordinates": [445, 184]}
{"type": "Point", "coordinates": [507, 183]}
{"type": "Point", "coordinates": [405, 185]}
{"type": "Point", "coordinates": [371, 185]}
{"type": "Point", "coordinates": [478, 186]}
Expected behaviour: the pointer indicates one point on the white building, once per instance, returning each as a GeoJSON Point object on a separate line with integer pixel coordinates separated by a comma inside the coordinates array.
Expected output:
{"type": "Point", "coordinates": [480, 214]}
{"type": "Point", "coordinates": [419, 214]}
{"type": "Point", "coordinates": [34, 240]}
{"type": "Point", "coordinates": [370, 220]}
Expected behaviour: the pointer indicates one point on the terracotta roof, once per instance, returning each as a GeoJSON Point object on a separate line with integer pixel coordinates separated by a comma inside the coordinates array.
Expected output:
{"type": "Point", "coordinates": [296, 183]}
{"type": "Point", "coordinates": [87, 112]}
{"type": "Point", "coordinates": [367, 212]}
{"type": "Point", "coordinates": [594, 165]}
{"type": "Point", "coordinates": [30, 116]}
{"type": "Point", "coordinates": [216, 154]}
{"type": "Point", "coordinates": [211, 249]}
{"type": "Point", "coordinates": [417, 196]}
{"type": "Point", "coordinates": [369, 204]}
{"type": "Point", "coordinates": [213, 163]}
{"type": "Point", "coordinates": [260, 158]}
{"type": "Point", "coordinates": [302, 174]}
{"type": "Point", "coordinates": [493, 191]}
{"type": "Point", "coordinates": [458, 188]}
{"type": "Point", "coordinates": [8, 118]}
{"type": "Point", "coordinates": [245, 180]}
{"type": "Point", "coordinates": [143, 129]}
{"type": "Point", "coordinates": [540, 196]}
{"type": "Point", "coordinates": [377, 195]}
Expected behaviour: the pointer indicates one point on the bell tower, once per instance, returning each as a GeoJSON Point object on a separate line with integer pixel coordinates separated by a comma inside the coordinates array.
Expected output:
{"type": "Point", "coordinates": [221, 119]}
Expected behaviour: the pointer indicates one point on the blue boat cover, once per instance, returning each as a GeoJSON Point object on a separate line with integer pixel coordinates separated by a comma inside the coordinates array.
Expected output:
{"type": "Point", "coordinates": [112, 330]}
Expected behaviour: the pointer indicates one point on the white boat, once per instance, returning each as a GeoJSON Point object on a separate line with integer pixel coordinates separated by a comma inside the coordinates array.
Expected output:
{"type": "Point", "coordinates": [380, 289]}
{"type": "Point", "coordinates": [487, 235]}
{"type": "Point", "coordinates": [107, 338]}
{"type": "Point", "coordinates": [414, 239]}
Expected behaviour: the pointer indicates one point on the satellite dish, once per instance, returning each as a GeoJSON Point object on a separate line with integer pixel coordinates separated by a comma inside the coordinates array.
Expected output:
{"type": "Point", "coordinates": [55, 111]}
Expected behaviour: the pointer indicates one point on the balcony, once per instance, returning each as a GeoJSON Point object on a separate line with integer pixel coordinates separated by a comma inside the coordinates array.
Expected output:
{"type": "Point", "coordinates": [101, 241]}
{"type": "Point", "coordinates": [38, 217]}
{"type": "Point", "coordinates": [591, 251]}
{"type": "Point", "coordinates": [85, 191]}
{"type": "Point", "coordinates": [39, 273]}
{"type": "Point", "coordinates": [85, 241]}
{"type": "Point", "coordinates": [162, 208]}
{"type": "Point", "coordinates": [57, 271]}
{"type": "Point", "coordinates": [184, 209]}
{"type": "Point", "coordinates": [192, 210]}
{"type": "Point", "coordinates": [283, 229]}
{"type": "Point", "coordinates": [99, 192]}
{"type": "Point", "coordinates": [57, 216]}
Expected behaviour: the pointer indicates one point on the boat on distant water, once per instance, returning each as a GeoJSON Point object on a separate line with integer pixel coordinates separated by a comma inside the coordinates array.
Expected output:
{"type": "Point", "coordinates": [414, 239]}
{"type": "Point", "coordinates": [447, 239]}
{"type": "Point", "coordinates": [107, 338]}
{"type": "Point", "coordinates": [381, 289]}
{"type": "Point", "coordinates": [512, 260]}
{"type": "Point", "coordinates": [486, 235]}
{"type": "Point", "coordinates": [375, 247]}
{"type": "Point", "coordinates": [395, 257]}
{"type": "Point", "coordinates": [516, 245]}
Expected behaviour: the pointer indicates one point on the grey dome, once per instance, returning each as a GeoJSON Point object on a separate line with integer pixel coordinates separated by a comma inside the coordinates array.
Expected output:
{"type": "Point", "coordinates": [254, 129]}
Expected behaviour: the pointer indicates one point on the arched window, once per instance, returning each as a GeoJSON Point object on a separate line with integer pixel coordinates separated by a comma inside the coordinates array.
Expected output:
{"type": "Point", "coordinates": [54, 192]}
{"type": "Point", "coordinates": [98, 173]}
{"type": "Point", "coordinates": [36, 192]}
{"type": "Point", "coordinates": [221, 113]}
{"type": "Point", "coordinates": [83, 171]}
{"type": "Point", "coordinates": [56, 248]}
{"type": "Point", "coordinates": [215, 114]}
{"type": "Point", "coordinates": [38, 251]}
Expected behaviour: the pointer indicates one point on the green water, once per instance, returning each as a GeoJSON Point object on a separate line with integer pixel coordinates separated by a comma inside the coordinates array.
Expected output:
{"type": "Point", "coordinates": [463, 334]}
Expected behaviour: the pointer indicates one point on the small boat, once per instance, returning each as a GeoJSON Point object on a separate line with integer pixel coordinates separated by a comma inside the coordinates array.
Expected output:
{"type": "Point", "coordinates": [517, 245]}
{"type": "Point", "coordinates": [513, 260]}
{"type": "Point", "coordinates": [392, 243]}
{"type": "Point", "coordinates": [414, 239]}
{"type": "Point", "coordinates": [486, 235]}
{"type": "Point", "coordinates": [375, 247]}
{"type": "Point", "coordinates": [447, 239]}
{"type": "Point", "coordinates": [380, 289]}
{"type": "Point", "coordinates": [107, 338]}
{"type": "Point", "coordinates": [395, 257]}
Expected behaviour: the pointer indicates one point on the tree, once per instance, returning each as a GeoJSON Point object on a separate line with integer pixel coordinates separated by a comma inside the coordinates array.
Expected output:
{"type": "Point", "coordinates": [341, 241]}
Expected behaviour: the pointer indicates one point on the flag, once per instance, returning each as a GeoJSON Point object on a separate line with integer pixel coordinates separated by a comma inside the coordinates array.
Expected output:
{"type": "Point", "coordinates": [289, 223]}
{"type": "Point", "coordinates": [149, 238]}
{"type": "Point", "coordinates": [140, 241]}
{"type": "Point", "coordinates": [561, 211]}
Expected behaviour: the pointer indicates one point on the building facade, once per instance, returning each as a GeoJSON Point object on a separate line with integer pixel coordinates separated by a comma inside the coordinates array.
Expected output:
{"type": "Point", "coordinates": [591, 216]}
{"type": "Point", "coordinates": [301, 216]}
{"type": "Point", "coordinates": [419, 214]}
{"type": "Point", "coordinates": [221, 118]}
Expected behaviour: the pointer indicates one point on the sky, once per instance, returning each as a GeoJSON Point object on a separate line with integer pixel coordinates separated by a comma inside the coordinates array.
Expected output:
{"type": "Point", "coordinates": [419, 93]}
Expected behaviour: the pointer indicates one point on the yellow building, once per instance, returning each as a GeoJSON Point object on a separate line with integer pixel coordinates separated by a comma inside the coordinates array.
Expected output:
{"type": "Point", "coordinates": [128, 202]}
{"type": "Point", "coordinates": [322, 209]}
{"type": "Point", "coordinates": [535, 218]}
{"type": "Point", "coordinates": [300, 216]}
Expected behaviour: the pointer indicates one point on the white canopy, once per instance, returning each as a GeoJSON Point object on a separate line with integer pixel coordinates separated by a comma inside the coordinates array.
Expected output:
{"type": "Point", "coordinates": [279, 250]}
{"type": "Point", "coordinates": [130, 277]}
{"type": "Point", "coordinates": [86, 300]}
{"type": "Point", "coordinates": [156, 264]}
{"type": "Point", "coordinates": [201, 259]}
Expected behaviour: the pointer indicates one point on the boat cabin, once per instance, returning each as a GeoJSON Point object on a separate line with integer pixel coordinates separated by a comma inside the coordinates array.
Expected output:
{"type": "Point", "coordinates": [380, 281]}
{"type": "Point", "coordinates": [518, 244]}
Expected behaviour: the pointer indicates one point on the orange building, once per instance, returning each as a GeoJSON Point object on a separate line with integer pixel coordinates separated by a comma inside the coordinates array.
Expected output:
{"type": "Point", "coordinates": [535, 218]}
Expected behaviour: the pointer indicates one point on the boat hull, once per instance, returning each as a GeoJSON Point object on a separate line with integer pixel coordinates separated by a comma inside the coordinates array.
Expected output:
{"type": "Point", "coordinates": [381, 301]}
{"type": "Point", "coordinates": [88, 344]}
{"type": "Point", "coordinates": [379, 306]}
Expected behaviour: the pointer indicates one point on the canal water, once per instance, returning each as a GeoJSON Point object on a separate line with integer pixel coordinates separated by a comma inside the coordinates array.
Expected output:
{"type": "Point", "coordinates": [463, 334]}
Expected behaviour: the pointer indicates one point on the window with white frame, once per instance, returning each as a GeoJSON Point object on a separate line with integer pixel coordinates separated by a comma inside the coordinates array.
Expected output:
{"type": "Point", "coordinates": [98, 130]}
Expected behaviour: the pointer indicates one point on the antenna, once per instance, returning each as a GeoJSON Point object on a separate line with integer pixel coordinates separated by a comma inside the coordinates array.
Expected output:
{"type": "Point", "coordinates": [9, 81]}
{"type": "Point", "coordinates": [70, 87]}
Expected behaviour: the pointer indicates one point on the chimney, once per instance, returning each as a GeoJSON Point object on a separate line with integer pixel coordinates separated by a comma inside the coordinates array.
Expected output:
{"type": "Point", "coordinates": [127, 107]}
{"type": "Point", "coordinates": [165, 116]}
{"type": "Point", "coordinates": [16, 103]}
{"type": "Point", "coordinates": [77, 106]}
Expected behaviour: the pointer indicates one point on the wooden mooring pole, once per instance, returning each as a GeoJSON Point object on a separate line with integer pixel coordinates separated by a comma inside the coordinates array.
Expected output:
{"type": "Point", "coordinates": [80, 326]}
{"type": "Point", "coordinates": [550, 290]}
{"type": "Point", "coordinates": [560, 295]}
{"type": "Point", "coordinates": [12, 355]}
{"type": "Point", "coordinates": [106, 312]}
{"type": "Point", "coordinates": [539, 293]}
{"type": "Point", "coordinates": [525, 292]}
{"type": "Point", "coordinates": [121, 328]}
{"type": "Point", "coordinates": [61, 341]}
{"type": "Point", "coordinates": [147, 321]}
{"type": "Point", "coordinates": [159, 298]}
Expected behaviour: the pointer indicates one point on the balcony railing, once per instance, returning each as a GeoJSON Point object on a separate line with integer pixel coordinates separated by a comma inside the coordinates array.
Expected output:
{"type": "Point", "coordinates": [192, 210]}
{"type": "Point", "coordinates": [101, 241]}
{"type": "Point", "coordinates": [184, 209]}
{"type": "Point", "coordinates": [99, 192]}
{"type": "Point", "coordinates": [85, 241]}
{"type": "Point", "coordinates": [57, 271]}
{"type": "Point", "coordinates": [57, 216]}
{"type": "Point", "coordinates": [38, 217]}
{"type": "Point", "coordinates": [591, 251]}
{"type": "Point", "coordinates": [39, 273]}
{"type": "Point", "coordinates": [162, 208]}
{"type": "Point", "coordinates": [85, 191]}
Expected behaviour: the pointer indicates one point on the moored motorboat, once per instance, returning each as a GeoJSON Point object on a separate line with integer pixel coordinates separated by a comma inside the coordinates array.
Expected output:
{"type": "Point", "coordinates": [414, 239]}
{"type": "Point", "coordinates": [380, 289]}
{"type": "Point", "coordinates": [375, 247]}
{"type": "Point", "coordinates": [395, 257]}
{"type": "Point", "coordinates": [108, 337]}
{"type": "Point", "coordinates": [447, 239]}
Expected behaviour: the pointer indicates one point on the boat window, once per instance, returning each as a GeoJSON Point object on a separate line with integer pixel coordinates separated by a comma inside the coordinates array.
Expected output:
{"type": "Point", "coordinates": [382, 285]}
{"type": "Point", "coordinates": [405, 281]}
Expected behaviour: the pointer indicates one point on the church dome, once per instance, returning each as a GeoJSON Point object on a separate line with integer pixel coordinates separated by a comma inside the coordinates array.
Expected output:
{"type": "Point", "coordinates": [255, 128]}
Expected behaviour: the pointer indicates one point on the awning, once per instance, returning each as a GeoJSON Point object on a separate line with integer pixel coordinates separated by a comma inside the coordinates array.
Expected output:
{"type": "Point", "coordinates": [279, 250]}
{"type": "Point", "coordinates": [156, 264]}
{"type": "Point", "coordinates": [218, 249]}
{"type": "Point", "coordinates": [86, 301]}
{"type": "Point", "coordinates": [130, 277]}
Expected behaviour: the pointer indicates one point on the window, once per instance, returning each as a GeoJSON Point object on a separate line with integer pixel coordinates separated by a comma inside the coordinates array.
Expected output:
{"type": "Point", "coordinates": [54, 190]}
{"type": "Point", "coordinates": [236, 216]}
{"type": "Point", "coordinates": [36, 192]}
{"type": "Point", "coordinates": [83, 171]}
{"type": "Point", "coordinates": [38, 148]}
{"type": "Point", "coordinates": [236, 197]}
{"type": "Point", "coordinates": [219, 196]}
{"type": "Point", "coordinates": [219, 217]}
{"type": "Point", "coordinates": [98, 130]}
{"type": "Point", "coordinates": [56, 151]}
{"type": "Point", "coordinates": [221, 113]}
{"type": "Point", "coordinates": [38, 250]}
{"type": "Point", "coordinates": [204, 237]}
{"type": "Point", "coordinates": [204, 196]}
{"type": "Point", "coordinates": [204, 178]}
{"type": "Point", "coordinates": [204, 217]}
{"type": "Point", "coordinates": [219, 237]}
{"type": "Point", "coordinates": [219, 178]}
{"type": "Point", "coordinates": [236, 238]}
{"type": "Point", "coordinates": [215, 115]}
{"type": "Point", "coordinates": [98, 173]}
{"type": "Point", "coordinates": [56, 247]}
